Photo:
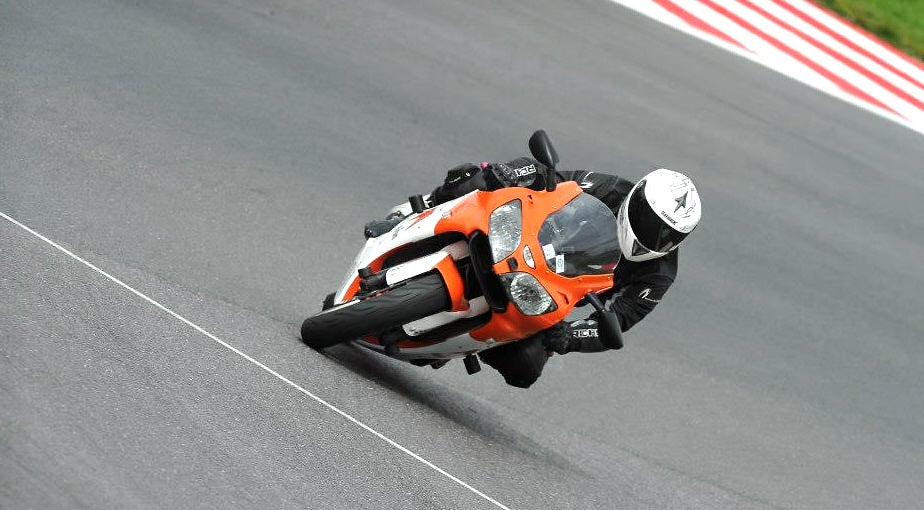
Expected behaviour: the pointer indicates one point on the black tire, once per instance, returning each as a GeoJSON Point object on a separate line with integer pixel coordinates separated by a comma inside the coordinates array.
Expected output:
{"type": "Point", "coordinates": [397, 305]}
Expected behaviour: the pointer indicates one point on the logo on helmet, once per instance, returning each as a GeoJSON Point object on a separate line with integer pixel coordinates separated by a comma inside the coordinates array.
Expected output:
{"type": "Point", "coordinates": [681, 202]}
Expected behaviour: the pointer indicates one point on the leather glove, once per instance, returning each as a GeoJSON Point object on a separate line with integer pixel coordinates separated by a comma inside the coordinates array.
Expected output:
{"type": "Point", "coordinates": [498, 175]}
{"type": "Point", "coordinates": [577, 336]}
{"type": "Point", "coordinates": [505, 175]}
{"type": "Point", "coordinates": [558, 338]}
{"type": "Point", "coordinates": [459, 180]}
{"type": "Point", "coordinates": [457, 174]}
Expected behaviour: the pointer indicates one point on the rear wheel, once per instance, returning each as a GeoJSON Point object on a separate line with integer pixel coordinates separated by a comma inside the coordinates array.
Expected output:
{"type": "Point", "coordinates": [394, 306]}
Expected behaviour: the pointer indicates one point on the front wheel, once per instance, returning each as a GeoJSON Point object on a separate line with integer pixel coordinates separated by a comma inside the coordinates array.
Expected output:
{"type": "Point", "coordinates": [394, 306]}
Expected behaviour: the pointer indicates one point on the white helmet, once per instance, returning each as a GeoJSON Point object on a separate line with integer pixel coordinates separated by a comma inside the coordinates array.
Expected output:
{"type": "Point", "coordinates": [659, 212]}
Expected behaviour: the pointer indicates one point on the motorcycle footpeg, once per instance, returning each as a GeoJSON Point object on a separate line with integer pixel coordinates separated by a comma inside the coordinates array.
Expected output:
{"type": "Point", "coordinates": [389, 342]}
{"type": "Point", "coordinates": [391, 349]}
{"type": "Point", "coordinates": [472, 365]}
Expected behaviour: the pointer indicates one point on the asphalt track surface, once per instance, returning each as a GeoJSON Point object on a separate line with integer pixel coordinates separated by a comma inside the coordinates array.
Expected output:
{"type": "Point", "coordinates": [221, 157]}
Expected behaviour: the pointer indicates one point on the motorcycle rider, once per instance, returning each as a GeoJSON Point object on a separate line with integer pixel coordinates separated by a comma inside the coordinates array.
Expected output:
{"type": "Point", "coordinates": [653, 216]}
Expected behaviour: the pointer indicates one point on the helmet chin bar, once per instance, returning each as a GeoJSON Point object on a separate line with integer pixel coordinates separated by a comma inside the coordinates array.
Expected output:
{"type": "Point", "coordinates": [638, 250]}
{"type": "Point", "coordinates": [632, 250]}
{"type": "Point", "coordinates": [639, 253]}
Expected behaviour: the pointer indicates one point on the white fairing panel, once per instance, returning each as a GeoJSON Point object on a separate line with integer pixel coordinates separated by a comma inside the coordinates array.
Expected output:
{"type": "Point", "coordinates": [417, 227]}
{"type": "Point", "coordinates": [411, 230]}
{"type": "Point", "coordinates": [456, 347]}
{"type": "Point", "coordinates": [409, 269]}
{"type": "Point", "coordinates": [476, 306]}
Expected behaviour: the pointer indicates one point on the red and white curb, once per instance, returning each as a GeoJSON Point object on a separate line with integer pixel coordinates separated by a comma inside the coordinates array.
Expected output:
{"type": "Point", "coordinates": [807, 43]}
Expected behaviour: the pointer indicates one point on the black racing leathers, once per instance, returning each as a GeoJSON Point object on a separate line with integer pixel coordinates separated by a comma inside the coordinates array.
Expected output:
{"type": "Point", "coordinates": [639, 286]}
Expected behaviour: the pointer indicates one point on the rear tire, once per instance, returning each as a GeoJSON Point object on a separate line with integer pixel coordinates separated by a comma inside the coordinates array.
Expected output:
{"type": "Point", "coordinates": [397, 305]}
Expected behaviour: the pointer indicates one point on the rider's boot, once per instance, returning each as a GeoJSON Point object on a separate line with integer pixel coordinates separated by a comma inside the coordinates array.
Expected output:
{"type": "Point", "coordinates": [376, 228]}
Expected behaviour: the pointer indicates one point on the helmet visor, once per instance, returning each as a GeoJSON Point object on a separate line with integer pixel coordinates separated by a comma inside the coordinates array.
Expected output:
{"type": "Point", "coordinates": [651, 230]}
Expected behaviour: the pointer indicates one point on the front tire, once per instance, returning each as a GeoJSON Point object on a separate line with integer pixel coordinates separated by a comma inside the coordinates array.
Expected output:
{"type": "Point", "coordinates": [397, 305]}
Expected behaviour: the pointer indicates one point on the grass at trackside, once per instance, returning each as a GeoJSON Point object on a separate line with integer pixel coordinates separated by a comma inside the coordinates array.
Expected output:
{"type": "Point", "coordinates": [899, 22]}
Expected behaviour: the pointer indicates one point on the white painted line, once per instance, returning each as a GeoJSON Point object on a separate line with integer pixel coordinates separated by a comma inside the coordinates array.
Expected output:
{"type": "Point", "coordinates": [255, 362]}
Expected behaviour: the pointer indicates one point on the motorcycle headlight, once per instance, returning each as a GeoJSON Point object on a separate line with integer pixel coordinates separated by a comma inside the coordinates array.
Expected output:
{"type": "Point", "coordinates": [504, 228]}
{"type": "Point", "coordinates": [528, 294]}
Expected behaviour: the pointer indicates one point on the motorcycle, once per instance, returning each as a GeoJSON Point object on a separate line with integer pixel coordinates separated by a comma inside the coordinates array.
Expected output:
{"type": "Point", "coordinates": [476, 272]}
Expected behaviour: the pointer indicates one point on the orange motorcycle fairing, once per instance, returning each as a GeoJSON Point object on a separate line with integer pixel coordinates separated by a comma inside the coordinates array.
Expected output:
{"type": "Point", "coordinates": [473, 214]}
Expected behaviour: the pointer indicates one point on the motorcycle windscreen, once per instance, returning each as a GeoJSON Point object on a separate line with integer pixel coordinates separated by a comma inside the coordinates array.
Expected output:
{"type": "Point", "coordinates": [580, 238]}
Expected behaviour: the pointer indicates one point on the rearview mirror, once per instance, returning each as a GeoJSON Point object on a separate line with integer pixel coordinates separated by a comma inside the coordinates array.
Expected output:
{"type": "Point", "coordinates": [541, 147]}
{"type": "Point", "coordinates": [607, 324]}
{"type": "Point", "coordinates": [609, 330]}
